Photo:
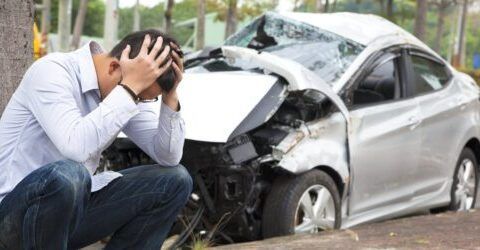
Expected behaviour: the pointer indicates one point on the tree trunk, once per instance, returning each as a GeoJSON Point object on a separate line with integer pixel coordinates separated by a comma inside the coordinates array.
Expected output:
{"type": "Point", "coordinates": [420, 19]}
{"type": "Point", "coordinates": [442, 8]}
{"type": "Point", "coordinates": [47, 6]}
{"type": "Point", "coordinates": [319, 6]}
{"type": "Point", "coordinates": [334, 6]}
{"type": "Point", "coordinates": [200, 39]}
{"type": "Point", "coordinates": [46, 20]}
{"type": "Point", "coordinates": [64, 24]}
{"type": "Point", "coordinates": [110, 27]}
{"type": "Point", "coordinates": [390, 15]}
{"type": "Point", "coordinates": [136, 16]}
{"type": "Point", "coordinates": [231, 20]}
{"type": "Point", "coordinates": [16, 43]}
{"type": "Point", "coordinates": [382, 6]}
{"type": "Point", "coordinates": [79, 22]}
{"type": "Point", "coordinates": [462, 35]}
{"type": "Point", "coordinates": [168, 16]}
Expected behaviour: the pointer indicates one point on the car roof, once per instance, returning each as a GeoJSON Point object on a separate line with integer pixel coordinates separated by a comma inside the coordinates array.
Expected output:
{"type": "Point", "coordinates": [361, 28]}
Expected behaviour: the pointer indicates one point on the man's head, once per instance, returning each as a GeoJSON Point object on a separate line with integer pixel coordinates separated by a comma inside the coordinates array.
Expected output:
{"type": "Point", "coordinates": [164, 83]}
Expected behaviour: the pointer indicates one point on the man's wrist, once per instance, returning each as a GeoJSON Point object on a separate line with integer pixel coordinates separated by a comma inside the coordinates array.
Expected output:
{"type": "Point", "coordinates": [171, 100]}
{"type": "Point", "coordinates": [131, 92]}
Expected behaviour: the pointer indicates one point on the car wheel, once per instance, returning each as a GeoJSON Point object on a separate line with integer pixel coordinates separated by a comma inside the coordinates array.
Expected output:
{"type": "Point", "coordinates": [465, 179]}
{"type": "Point", "coordinates": [306, 203]}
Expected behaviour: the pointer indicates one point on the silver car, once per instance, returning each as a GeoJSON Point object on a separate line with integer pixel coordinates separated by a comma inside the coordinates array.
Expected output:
{"type": "Point", "coordinates": [306, 122]}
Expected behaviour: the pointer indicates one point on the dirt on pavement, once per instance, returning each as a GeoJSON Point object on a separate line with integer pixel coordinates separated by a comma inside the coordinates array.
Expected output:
{"type": "Point", "coordinates": [439, 231]}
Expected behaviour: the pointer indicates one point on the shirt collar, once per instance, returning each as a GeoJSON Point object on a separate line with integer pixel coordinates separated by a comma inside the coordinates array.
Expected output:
{"type": "Point", "coordinates": [88, 75]}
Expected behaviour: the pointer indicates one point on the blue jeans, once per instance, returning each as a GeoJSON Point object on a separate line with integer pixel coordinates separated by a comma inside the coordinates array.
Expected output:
{"type": "Point", "coordinates": [53, 208]}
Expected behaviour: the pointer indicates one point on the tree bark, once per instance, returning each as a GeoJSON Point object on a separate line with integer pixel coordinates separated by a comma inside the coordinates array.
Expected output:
{"type": "Point", "coordinates": [79, 22]}
{"type": "Point", "coordinates": [200, 36]}
{"type": "Point", "coordinates": [231, 20]}
{"type": "Point", "coordinates": [16, 45]}
{"type": "Point", "coordinates": [420, 19]}
{"type": "Point", "coordinates": [168, 16]}
{"type": "Point", "coordinates": [442, 12]}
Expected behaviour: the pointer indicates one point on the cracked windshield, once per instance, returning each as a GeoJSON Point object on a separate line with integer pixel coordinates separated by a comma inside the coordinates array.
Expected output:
{"type": "Point", "coordinates": [333, 54]}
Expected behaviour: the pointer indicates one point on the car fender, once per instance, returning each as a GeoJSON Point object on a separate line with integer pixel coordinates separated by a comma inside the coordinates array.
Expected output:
{"type": "Point", "coordinates": [322, 143]}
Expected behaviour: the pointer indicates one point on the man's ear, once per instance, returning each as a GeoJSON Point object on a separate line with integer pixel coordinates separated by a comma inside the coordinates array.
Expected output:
{"type": "Point", "coordinates": [113, 67]}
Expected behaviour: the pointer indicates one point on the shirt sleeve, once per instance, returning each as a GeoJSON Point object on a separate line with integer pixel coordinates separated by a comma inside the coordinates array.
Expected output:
{"type": "Point", "coordinates": [77, 136]}
{"type": "Point", "coordinates": [161, 136]}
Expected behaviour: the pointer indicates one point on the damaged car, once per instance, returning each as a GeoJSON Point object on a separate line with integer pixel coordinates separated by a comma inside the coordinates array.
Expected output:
{"type": "Point", "coordinates": [307, 122]}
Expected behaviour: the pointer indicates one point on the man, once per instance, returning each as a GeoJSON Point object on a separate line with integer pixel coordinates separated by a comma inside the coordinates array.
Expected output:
{"type": "Point", "coordinates": [68, 108]}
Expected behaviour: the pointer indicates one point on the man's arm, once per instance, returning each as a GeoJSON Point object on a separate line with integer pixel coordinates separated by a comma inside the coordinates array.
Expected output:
{"type": "Point", "coordinates": [160, 136]}
{"type": "Point", "coordinates": [50, 98]}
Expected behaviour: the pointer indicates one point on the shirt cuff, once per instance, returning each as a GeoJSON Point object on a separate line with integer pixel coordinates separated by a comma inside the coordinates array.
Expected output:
{"type": "Point", "coordinates": [120, 101]}
{"type": "Point", "coordinates": [166, 110]}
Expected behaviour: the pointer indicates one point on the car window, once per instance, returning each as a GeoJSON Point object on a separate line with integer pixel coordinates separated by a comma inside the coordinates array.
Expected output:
{"type": "Point", "coordinates": [428, 75]}
{"type": "Point", "coordinates": [382, 84]}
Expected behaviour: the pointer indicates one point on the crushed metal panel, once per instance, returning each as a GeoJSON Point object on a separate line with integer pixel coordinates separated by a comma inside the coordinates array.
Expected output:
{"type": "Point", "coordinates": [317, 143]}
{"type": "Point", "coordinates": [297, 76]}
{"type": "Point", "coordinates": [265, 109]}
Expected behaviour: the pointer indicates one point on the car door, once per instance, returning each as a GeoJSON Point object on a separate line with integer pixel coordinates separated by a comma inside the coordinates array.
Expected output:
{"type": "Point", "coordinates": [383, 135]}
{"type": "Point", "coordinates": [442, 108]}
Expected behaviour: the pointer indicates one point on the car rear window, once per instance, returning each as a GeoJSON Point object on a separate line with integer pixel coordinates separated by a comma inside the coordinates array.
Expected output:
{"type": "Point", "coordinates": [428, 75]}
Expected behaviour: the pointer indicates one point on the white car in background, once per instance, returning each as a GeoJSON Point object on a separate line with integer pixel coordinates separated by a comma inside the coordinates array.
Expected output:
{"type": "Point", "coordinates": [306, 122]}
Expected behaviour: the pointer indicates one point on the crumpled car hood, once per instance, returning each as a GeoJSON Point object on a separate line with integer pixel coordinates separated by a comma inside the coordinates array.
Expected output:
{"type": "Point", "coordinates": [213, 104]}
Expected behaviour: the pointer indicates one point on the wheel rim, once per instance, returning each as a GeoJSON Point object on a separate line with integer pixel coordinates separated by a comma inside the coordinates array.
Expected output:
{"type": "Point", "coordinates": [315, 210]}
{"type": "Point", "coordinates": [465, 189]}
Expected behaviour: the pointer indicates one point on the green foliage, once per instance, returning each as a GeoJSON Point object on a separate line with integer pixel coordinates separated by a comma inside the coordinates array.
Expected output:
{"type": "Point", "coordinates": [403, 10]}
{"type": "Point", "coordinates": [93, 21]}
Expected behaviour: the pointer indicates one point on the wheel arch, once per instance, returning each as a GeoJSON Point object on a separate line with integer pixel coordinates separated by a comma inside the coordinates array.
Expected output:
{"type": "Point", "coordinates": [337, 178]}
{"type": "Point", "coordinates": [474, 145]}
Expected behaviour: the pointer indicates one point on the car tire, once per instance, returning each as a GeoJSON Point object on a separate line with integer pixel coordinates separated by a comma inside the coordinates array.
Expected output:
{"type": "Point", "coordinates": [465, 182]}
{"type": "Point", "coordinates": [285, 213]}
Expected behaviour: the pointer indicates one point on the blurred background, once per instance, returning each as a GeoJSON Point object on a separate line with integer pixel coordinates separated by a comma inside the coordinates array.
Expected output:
{"type": "Point", "coordinates": [450, 27]}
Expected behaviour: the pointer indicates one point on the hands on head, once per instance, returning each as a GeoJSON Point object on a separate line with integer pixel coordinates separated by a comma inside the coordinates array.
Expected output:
{"type": "Point", "coordinates": [155, 62]}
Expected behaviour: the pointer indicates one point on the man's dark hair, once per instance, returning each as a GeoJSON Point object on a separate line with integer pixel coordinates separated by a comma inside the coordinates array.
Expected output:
{"type": "Point", "coordinates": [135, 40]}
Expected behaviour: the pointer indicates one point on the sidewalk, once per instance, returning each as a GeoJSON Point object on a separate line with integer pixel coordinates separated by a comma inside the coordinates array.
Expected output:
{"type": "Point", "coordinates": [441, 231]}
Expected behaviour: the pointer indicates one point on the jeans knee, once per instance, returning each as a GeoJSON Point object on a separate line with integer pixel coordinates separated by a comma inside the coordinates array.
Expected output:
{"type": "Point", "coordinates": [183, 180]}
{"type": "Point", "coordinates": [70, 179]}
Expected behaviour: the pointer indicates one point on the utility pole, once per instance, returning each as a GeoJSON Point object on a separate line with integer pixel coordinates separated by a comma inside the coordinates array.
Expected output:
{"type": "Point", "coordinates": [64, 24]}
{"type": "Point", "coordinates": [136, 16]}
{"type": "Point", "coordinates": [111, 24]}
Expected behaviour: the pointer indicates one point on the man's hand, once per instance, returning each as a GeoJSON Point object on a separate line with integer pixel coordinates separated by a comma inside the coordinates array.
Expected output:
{"type": "Point", "coordinates": [141, 72]}
{"type": "Point", "coordinates": [171, 99]}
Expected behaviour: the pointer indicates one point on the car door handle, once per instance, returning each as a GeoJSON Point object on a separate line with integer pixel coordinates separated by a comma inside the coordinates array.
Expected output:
{"type": "Point", "coordinates": [413, 122]}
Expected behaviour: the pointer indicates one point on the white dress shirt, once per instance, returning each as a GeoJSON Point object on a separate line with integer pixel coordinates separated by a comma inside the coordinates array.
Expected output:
{"type": "Point", "coordinates": [56, 113]}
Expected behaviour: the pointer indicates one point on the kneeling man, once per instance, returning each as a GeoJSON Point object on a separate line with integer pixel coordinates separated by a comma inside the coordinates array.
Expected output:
{"type": "Point", "coordinates": [68, 108]}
